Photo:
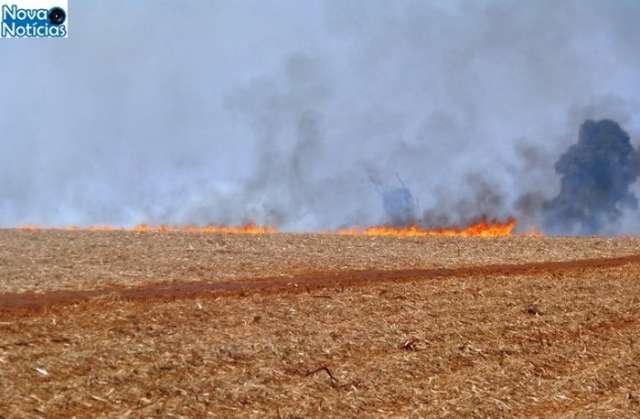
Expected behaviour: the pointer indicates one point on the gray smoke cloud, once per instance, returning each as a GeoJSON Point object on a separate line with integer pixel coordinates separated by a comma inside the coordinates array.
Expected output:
{"type": "Point", "coordinates": [278, 112]}
{"type": "Point", "coordinates": [597, 173]}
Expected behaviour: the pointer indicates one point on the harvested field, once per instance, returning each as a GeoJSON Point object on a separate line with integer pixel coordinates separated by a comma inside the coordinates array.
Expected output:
{"type": "Point", "coordinates": [51, 260]}
{"type": "Point", "coordinates": [396, 327]}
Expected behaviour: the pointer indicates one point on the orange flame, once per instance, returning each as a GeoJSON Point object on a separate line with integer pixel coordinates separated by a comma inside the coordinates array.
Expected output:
{"type": "Point", "coordinates": [146, 228]}
{"type": "Point", "coordinates": [481, 228]}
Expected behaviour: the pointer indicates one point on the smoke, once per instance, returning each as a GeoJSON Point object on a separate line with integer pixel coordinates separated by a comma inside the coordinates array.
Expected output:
{"type": "Point", "coordinates": [597, 174]}
{"type": "Point", "coordinates": [228, 112]}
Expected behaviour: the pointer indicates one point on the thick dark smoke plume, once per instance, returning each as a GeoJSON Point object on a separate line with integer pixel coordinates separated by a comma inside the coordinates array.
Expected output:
{"type": "Point", "coordinates": [597, 174]}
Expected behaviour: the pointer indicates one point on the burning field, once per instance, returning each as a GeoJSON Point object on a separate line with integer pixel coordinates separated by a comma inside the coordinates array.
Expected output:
{"type": "Point", "coordinates": [486, 319]}
{"type": "Point", "coordinates": [189, 323]}
{"type": "Point", "coordinates": [323, 208]}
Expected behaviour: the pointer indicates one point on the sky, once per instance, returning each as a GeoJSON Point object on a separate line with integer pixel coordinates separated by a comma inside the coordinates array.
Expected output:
{"type": "Point", "coordinates": [299, 113]}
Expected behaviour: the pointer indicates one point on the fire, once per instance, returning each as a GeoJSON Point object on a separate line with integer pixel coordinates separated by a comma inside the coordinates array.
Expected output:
{"type": "Point", "coordinates": [209, 229]}
{"type": "Point", "coordinates": [481, 228]}
{"type": "Point", "coordinates": [249, 228]}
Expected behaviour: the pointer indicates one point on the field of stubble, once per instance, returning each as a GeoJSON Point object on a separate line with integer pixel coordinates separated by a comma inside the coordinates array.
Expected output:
{"type": "Point", "coordinates": [118, 324]}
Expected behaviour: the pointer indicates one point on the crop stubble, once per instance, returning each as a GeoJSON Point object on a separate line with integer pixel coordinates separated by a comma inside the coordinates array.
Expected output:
{"type": "Point", "coordinates": [560, 340]}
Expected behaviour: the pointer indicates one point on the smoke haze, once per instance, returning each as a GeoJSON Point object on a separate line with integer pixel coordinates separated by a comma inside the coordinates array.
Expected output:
{"type": "Point", "coordinates": [282, 112]}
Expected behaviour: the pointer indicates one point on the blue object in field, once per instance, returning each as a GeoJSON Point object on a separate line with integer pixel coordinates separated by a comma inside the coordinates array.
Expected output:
{"type": "Point", "coordinates": [400, 205]}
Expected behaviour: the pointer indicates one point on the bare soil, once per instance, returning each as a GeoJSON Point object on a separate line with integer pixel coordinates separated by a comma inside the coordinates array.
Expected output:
{"type": "Point", "coordinates": [517, 327]}
{"type": "Point", "coordinates": [40, 261]}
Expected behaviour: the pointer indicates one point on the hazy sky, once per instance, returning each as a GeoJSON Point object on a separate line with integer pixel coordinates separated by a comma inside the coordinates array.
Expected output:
{"type": "Point", "coordinates": [282, 111]}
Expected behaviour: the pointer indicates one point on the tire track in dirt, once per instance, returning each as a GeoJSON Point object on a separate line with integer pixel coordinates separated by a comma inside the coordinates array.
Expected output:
{"type": "Point", "coordinates": [32, 303]}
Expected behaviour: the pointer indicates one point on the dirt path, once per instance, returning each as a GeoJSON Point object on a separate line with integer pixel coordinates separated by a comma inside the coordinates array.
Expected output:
{"type": "Point", "coordinates": [18, 304]}
{"type": "Point", "coordinates": [528, 339]}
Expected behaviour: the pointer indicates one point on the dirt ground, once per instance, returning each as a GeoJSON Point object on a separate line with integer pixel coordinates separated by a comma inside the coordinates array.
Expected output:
{"type": "Point", "coordinates": [184, 325]}
{"type": "Point", "coordinates": [48, 260]}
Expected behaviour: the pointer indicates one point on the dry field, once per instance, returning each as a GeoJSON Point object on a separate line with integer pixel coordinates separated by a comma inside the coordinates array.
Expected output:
{"type": "Point", "coordinates": [121, 324]}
